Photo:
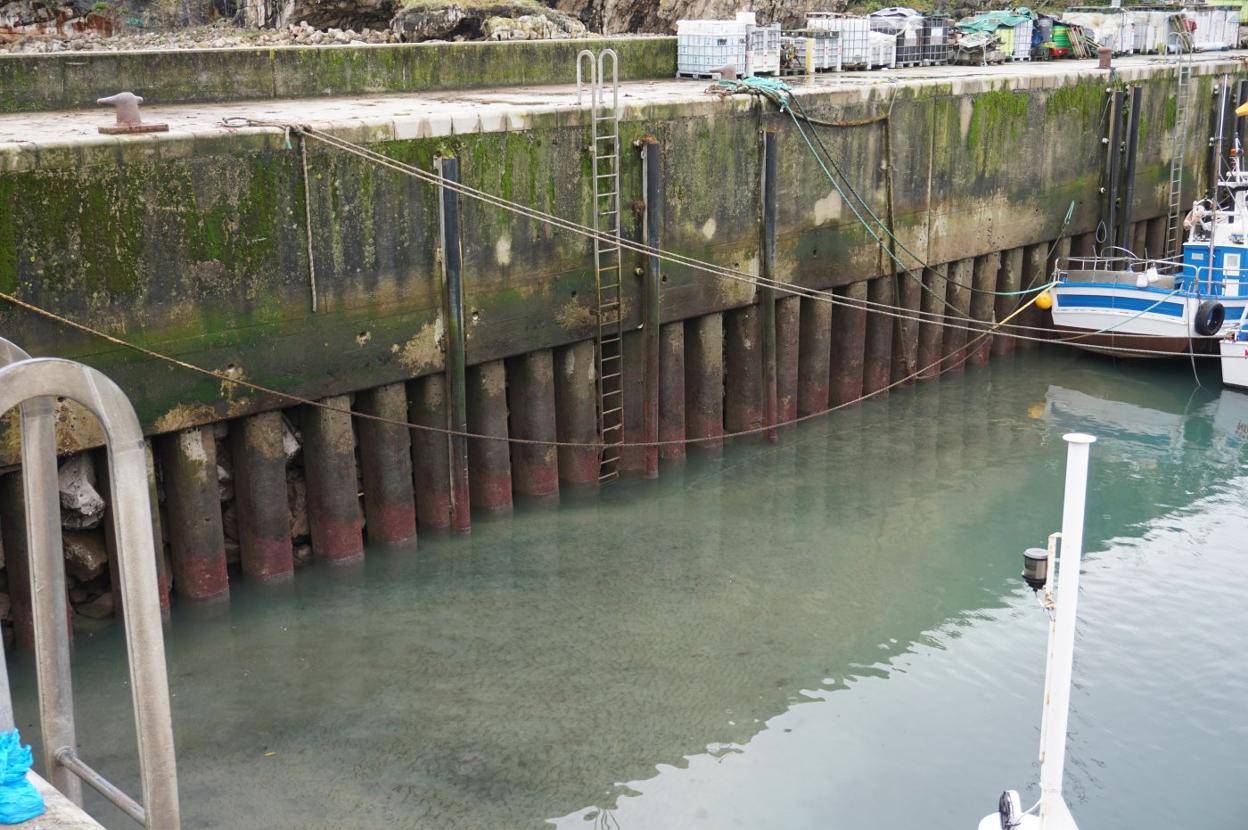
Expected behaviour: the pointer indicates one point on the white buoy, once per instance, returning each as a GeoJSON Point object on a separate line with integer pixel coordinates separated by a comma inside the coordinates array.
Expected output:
{"type": "Point", "coordinates": [1051, 812]}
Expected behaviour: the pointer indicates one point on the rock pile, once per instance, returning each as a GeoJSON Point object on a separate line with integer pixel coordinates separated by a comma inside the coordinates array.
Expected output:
{"type": "Point", "coordinates": [84, 520]}
{"type": "Point", "coordinates": [218, 36]}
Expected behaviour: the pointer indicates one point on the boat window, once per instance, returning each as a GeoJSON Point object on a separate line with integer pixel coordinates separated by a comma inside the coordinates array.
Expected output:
{"type": "Point", "coordinates": [1230, 265]}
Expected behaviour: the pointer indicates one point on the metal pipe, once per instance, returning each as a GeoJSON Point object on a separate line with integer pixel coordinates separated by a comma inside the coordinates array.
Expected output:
{"type": "Point", "coordinates": [47, 576]}
{"type": "Point", "coordinates": [652, 220]}
{"type": "Point", "coordinates": [66, 758]}
{"type": "Point", "coordinates": [1115, 165]}
{"type": "Point", "coordinates": [767, 296]}
{"type": "Point", "coordinates": [1062, 638]}
{"type": "Point", "coordinates": [1216, 174]}
{"type": "Point", "coordinates": [580, 80]}
{"type": "Point", "coordinates": [1133, 140]}
{"type": "Point", "coordinates": [456, 361]}
{"type": "Point", "coordinates": [1241, 97]}
{"type": "Point", "coordinates": [128, 498]}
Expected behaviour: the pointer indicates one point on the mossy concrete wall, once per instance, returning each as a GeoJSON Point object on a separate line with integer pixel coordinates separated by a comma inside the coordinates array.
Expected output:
{"type": "Point", "coordinates": [196, 246]}
{"type": "Point", "coordinates": [74, 80]}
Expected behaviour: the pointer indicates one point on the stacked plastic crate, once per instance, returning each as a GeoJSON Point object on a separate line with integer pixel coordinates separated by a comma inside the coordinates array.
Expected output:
{"type": "Point", "coordinates": [1217, 27]}
{"type": "Point", "coordinates": [853, 33]}
{"type": "Point", "coordinates": [936, 28]}
{"type": "Point", "coordinates": [1112, 28]}
{"type": "Point", "coordinates": [1152, 29]}
{"type": "Point", "coordinates": [1022, 41]}
{"type": "Point", "coordinates": [763, 45]}
{"type": "Point", "coordinates": [812, 51]}
{"type": "Point", "coordinates": [904, 24]}
{"type": "Point", "coordinates": [882, 50]}
{"type": "Point", "coordinates": [705, 47]}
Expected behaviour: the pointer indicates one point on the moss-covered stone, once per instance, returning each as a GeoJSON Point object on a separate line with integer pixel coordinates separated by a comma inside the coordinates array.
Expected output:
{"type": "Point", "coordinates": [201, 250]}
{"type": "Point", "coordinates": [30, 82]}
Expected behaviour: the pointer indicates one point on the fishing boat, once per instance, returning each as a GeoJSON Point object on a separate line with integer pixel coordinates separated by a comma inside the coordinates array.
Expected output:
{"type": "Point", "coordinates": [1126, 305]}
{"type": "Point", "coordinates": [1234, 349]}
{"type": "Point", "coordinates": [1118, 302]}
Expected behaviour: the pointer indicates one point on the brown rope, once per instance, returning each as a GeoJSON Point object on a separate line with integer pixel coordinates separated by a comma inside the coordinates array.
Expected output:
{"type": "Point", "coordinates": [267, 390]}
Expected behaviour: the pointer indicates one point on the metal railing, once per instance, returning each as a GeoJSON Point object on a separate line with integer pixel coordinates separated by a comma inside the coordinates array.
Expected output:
{"type": "Point", "coordinates": [1204, 280]}
{"type": "Point", "coordinates": [32, 384]}
{"type": "Point", "coordinates": [1119, 259]}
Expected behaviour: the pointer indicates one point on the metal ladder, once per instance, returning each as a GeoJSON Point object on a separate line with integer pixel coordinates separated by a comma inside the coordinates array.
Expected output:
{"type": "Point", "coordinates": [608, 259]}
{"type": "Point", "coordinates": [1174, 211]}
{"type": "Point", "coordinates": [32, 384]}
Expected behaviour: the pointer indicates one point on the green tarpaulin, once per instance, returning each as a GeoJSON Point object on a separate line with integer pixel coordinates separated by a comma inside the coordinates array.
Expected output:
{"type": "Point", "coordinates": [991, 21]}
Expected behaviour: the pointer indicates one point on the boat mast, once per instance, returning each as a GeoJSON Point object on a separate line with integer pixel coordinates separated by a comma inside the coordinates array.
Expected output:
{"type": "Point", "coordinates": [1214, 179]}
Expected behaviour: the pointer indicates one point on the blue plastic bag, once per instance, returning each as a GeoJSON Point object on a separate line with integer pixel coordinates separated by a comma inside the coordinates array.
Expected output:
{"type": "Point", "coordinates": [19, 800]}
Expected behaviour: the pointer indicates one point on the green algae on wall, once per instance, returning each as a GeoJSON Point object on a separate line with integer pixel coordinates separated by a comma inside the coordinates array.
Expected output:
{"type": "Point", "coordinates": [997, 123]}
{"type": "Point", "coordinates": [36, 82]}
{"type": "Point", "coordinates": [202, 251]}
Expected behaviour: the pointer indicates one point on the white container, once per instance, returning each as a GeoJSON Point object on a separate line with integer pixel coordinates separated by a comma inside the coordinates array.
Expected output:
{"type": "Point", "coordinates": [703, 47]}
{"type": "Point", "coordinates": [855, 45]}
{"type": "Point", "coordinates": [1217, 27]}
{"type": "Point", "coordinates": [816, 51]}
{"type": "Point", "coordinates": [882, 50]}
{"type": "Point", "coordinates": [1152, 30]}
{"type": "Point", "coordinates": [1111, 28]}
{"type": "Point", "coordinates": [1022, 41]}
{"type": "Point", "coordinates": [763, 57]}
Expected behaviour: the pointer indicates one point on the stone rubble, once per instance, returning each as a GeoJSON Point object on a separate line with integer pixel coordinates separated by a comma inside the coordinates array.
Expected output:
{"type": "Point", "coordinates": [82, 507]}
{"type": "Point", "coordinates": [216, 36]}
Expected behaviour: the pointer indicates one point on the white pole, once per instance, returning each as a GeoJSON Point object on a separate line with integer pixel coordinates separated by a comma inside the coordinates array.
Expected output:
{"type": "Point", "coordinates": [1057, 691]}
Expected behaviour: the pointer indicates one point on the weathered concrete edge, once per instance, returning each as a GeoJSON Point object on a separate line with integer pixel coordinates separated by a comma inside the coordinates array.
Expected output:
{"type": "Point", "coordinates": [61, 813]}
{"type": "Point", "coordinates": [72, 80]}
{"type": "Point", "coordinates": [80, 152]}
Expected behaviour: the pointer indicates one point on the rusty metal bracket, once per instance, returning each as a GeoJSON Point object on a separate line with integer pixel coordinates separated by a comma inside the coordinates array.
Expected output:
{"type": "Point", "coordinates": [128, 119]}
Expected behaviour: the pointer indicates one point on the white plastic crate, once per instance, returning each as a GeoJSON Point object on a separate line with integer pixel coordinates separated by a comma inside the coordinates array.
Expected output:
{"type": "Point", "coordinates": [764, 50]}
{"type": "Point", "coordinates": [1022, 41]}
{"type": "Point", "coordinates": [1210, 34]}
{"type": "Point", "coordinates": [936, 40]}
{"type": "Point", "coordinates": [1226, 26]}
{"type": "Point", "coordinates": [703, 47]}
{"type": "Point", "coordinates": [1110, 27]}
{"type": "Point", "coordinates": [815, 51]}
{"type": "Point", "coordinates": [1152, 30]}
{"type": "Point", "coordinates": [855, 45]}
{"type": "Point", "coordinates": [882, 50]}
{"type": "Point", "coordinates": [906, 25]}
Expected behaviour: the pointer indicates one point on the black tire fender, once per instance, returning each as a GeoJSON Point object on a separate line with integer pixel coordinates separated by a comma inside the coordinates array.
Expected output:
{"type": "Point", "coordinates": [1210, 315]}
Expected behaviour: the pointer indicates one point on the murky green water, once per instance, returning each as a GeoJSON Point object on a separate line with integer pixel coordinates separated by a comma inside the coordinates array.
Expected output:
{"type": "Point", "coordinates": [830, 634]}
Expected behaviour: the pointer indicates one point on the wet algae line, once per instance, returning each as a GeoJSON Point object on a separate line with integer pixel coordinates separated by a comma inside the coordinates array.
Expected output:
{"type": "Point", "coordinates": [770, 636]}
{"type": "Point", "coordinates": [200, 249]}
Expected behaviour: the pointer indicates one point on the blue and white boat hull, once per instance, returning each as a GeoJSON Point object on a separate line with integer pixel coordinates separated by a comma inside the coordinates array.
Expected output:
{"type": "Point", "coordinates": [1116, 317]}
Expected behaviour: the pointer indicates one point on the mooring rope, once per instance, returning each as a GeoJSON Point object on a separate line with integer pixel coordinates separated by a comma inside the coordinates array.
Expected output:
{"type": "Point", "coordinates": [577, 228]}
{"type": "Point", "coordinates": [668, 256]}
{"type": "Point", "coordinates": [962, 352]}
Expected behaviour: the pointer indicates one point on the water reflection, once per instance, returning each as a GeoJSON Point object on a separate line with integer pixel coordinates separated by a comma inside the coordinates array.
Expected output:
{"type": "Point", "coordinates": [830, 633]}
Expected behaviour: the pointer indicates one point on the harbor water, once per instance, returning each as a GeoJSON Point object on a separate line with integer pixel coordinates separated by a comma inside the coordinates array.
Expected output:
{"type": "Point", "coordinates": [828, 633]}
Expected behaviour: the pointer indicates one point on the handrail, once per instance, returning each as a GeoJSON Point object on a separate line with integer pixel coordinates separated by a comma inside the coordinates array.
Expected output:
{"type": "Point", "coordinates": [1212, 277]}
{"type": "Point", "coordinates": [602, 79]}
{"type": "Point", "coordinates": [31, 384]}
{"type": "Point", "coordinates": [1111, 263]}
{"type": "Point", "coordinates": [47, 576]}
{"type": "Point", "coordinates": [593, 78]}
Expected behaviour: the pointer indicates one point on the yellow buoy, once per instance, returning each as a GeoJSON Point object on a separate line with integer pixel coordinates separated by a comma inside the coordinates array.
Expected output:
{"type": "Point", "coordinates": [1044, 301]}
{"type": "Point", "coordinates": [1036, 411]}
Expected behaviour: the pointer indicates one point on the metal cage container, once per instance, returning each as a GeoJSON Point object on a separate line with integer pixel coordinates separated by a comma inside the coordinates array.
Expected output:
{"type": "Point", "coordinates": [853, 31]}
